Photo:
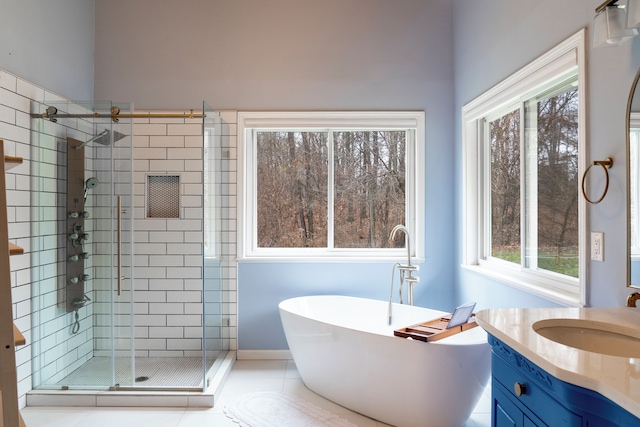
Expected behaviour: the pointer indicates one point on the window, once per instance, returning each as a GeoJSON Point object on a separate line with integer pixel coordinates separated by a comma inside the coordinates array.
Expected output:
{"type": "Point", "coordinates": [330, 184]}
{"type": "Point", "coordinates": [523, 153]}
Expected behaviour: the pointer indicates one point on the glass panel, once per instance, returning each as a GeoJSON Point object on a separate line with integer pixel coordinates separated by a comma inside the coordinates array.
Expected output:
{"type": "Point", "coordinates": [75, 335]}
{"type": "Point", "coordinates": [554, 134]}
{"type": "Point", "coordinates": [504, 136]}
{"type": "Point", "coordinates": [216, 261]}
{"type": "Point", "coordinates": [292, 189]}
{"type": "Point", "coordinates": [369, 176]}
{"type": "Point", "coordinates": [121, 288]}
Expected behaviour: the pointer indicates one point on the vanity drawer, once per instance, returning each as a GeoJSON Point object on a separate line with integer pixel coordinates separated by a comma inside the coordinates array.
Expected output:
{"type": "Point", "coordinates": [525, 387]}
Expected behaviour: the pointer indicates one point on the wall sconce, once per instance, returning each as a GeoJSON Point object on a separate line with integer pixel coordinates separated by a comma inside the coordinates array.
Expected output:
{"type": "Point", "coordinates": [614, 24]}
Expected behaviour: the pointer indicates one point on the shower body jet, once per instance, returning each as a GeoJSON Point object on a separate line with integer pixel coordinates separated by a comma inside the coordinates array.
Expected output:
{"type": "Point", "coordinates": [76, 254]}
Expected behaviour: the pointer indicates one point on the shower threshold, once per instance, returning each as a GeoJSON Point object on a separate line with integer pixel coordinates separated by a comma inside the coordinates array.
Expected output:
{"type": "Point", "coordinates": [150, 393]}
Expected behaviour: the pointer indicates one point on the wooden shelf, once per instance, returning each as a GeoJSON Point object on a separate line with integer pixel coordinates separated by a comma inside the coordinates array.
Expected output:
{"type": "Point", "coordinates": [18, 338]}
{"type": "Point", "coordinates": [15, 249]}
{"type": "Point", "coordinates": [11, 162]}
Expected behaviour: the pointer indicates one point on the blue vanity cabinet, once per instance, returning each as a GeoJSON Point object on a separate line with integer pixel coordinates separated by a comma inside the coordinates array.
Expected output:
{"type": "Point", "coordinates": [524, 395]}
{"type": "Point", "coordinates": [507, 413]}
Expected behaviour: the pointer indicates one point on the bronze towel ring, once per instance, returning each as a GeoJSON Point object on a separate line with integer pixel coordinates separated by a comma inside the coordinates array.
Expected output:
{"type": "Point", "coordinates": [606, 164]}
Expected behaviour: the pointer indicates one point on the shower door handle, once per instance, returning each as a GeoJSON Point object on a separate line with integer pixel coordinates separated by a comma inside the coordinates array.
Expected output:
{"type": "Point", "coordinates": [119, 233]}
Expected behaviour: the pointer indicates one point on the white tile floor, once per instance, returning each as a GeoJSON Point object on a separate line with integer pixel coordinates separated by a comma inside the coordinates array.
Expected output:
{"type": "Point", "coordinates": [247, 376]}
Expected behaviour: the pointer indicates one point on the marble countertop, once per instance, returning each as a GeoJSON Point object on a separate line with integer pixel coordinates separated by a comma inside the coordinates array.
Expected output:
{"type": "Point", "coordinates": [617, 378]}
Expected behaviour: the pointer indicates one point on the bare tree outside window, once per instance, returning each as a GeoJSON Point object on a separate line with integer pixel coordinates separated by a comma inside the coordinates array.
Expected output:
{"type": "Point", "coordinates": [552, 141]}
{"type": "Point", "coordinates": [557, 148]}
{"type": "Point", "coordinates": [292, 189]}
{"type": "Point", "coordinates": [293, 197]}
{"type": "Point", "coordinates": [505, 186]}
{"type": "Point", "coordinates": [369, 187]}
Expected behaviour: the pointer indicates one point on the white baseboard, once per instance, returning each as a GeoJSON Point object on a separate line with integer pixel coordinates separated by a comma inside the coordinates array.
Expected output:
{"type": "Point", "coordinates": [264, 355]}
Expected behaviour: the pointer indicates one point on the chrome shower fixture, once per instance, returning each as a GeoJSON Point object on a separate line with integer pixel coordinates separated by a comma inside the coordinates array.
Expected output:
{"type": "Point", "coordinates": [103, 138]}
{"type": "Point", "coordinates": [52, 111]}
{"type": "Point", "coordinates": [92, 182]}
{"type": "Point", "coordinates": [89, 184]}
{"type": "Point", "coordinates": [95, 138]}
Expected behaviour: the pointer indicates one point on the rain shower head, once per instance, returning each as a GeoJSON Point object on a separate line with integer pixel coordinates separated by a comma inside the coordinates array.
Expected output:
{"type": "Point", "coordinates": [103, 138]}
{"type": "Point", "coordinates": [117, 136]}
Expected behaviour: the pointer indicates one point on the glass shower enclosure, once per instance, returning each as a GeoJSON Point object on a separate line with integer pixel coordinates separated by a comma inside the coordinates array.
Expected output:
{"type": "Point", "coordinates": [86, 303]}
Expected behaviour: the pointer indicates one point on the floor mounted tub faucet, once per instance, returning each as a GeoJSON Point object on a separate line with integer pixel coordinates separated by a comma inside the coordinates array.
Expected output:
{"type": "Point", "coordinates": [406, 270]}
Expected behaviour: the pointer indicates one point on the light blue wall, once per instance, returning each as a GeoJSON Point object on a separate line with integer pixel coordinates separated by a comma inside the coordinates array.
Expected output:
{"type": "Point", "coordinates": [370, 54]}
{"type": "Point", "coordinates": [493, 39]}
{"type": "Point", "coordinates": [263, 286]}
{"type": "Point", "coordinates": [49, 43]}
{"type": "Point", "coordinates": [293, 55]}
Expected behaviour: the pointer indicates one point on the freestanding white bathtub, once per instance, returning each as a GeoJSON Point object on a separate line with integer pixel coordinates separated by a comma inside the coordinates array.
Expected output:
{"type": "Point", "coordinates": [346, 352]}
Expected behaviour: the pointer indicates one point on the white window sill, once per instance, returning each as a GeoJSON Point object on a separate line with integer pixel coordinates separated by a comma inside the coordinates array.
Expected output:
{"type": "Point", "coordinates": [329, 259]}
{"type": "Point", "coordinates": [528, 284]}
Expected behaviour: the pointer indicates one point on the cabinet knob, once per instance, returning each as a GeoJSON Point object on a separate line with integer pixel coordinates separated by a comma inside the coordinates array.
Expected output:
{"type": "Point", "coordinates": [519, 389]}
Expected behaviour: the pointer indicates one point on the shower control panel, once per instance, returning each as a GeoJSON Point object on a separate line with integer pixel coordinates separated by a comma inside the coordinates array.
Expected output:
{"type": "Point", "coordinates": [77, 236]}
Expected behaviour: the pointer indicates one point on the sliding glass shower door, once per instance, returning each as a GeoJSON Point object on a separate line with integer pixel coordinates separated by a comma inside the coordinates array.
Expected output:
{"type": "Point", "coordinates": [120, 316]}
{"type": "Point", "coordinates": [81, 245]}
{"type": "Point", "coordinates": [96, 325]}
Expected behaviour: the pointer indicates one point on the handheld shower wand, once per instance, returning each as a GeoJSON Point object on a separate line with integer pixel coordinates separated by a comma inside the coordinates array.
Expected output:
{"type": "Point", "coordinates": [90, 183]}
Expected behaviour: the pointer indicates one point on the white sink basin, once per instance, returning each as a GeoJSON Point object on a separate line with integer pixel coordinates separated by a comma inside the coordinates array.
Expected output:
{"type": "Point", "coordinates": [597, 337]}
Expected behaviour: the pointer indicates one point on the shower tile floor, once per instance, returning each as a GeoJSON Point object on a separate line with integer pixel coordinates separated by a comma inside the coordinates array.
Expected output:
{"type": "Point", "coordinates": [247, 376]}
{"type": "Point", "coordinates": [154, 372]}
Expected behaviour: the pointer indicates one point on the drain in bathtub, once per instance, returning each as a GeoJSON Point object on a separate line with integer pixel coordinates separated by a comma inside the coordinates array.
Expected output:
{"type": "Point", "coordinates": [141, 379]}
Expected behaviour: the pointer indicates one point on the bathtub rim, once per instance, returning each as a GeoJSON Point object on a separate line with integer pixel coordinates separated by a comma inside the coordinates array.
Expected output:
{"type": "Point", "coordinates": [471, 337]}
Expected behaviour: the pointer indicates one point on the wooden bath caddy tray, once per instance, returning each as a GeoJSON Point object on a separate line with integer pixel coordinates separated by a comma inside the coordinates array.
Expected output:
{"type": "Point", "coordinates": [434, 330]}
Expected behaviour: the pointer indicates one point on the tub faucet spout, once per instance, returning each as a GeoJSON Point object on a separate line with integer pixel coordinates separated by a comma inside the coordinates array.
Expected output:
{"type": "Point", "coordinates": [392, 236]}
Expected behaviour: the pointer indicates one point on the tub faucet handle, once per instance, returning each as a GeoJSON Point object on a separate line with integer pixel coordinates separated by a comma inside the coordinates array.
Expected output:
{"type": "Point", "coordinates": [411, 278]}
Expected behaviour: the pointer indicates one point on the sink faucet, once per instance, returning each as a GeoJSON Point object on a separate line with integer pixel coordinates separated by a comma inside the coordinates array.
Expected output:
{"type": "Point", "coordinates": [406, 270]}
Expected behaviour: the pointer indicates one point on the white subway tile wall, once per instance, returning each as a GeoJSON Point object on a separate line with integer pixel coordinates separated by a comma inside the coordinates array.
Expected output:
{"type": "Point", "coordinates": [15, 129]}
{"type": "Point", "coordinates": [168, 252]}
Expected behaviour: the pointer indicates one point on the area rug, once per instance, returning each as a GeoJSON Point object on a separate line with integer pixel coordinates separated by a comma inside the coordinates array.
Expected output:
{"type": "Point", "coordinates": [272, 409]}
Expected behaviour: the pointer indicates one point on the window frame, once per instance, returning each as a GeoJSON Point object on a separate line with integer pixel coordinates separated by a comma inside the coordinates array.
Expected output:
{"type": "Point", "coordinates": [557, 64]}
{"type": "Point", "coordinates": [250, 121]}
{"type": "Point", "coordinates": [634, 160]}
